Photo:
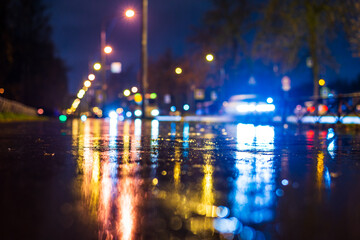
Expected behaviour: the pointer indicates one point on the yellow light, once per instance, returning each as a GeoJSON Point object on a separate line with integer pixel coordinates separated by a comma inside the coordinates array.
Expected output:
{"type": "Point", "coordinates": [155, 181]}
{"type": "Point", "coordinates": [91, 77]}
{"type": "Point", "coordinates": [81, 93]}
{"type": "Point", "coordinates": [87, 83]}
{"type": "Point", "coordinates": [2, 91]}
{"type": "Point", "coordinates": [129, 13]}
{"type": "Point", "coordinates": [178, 70]}
{"type": "Point", "coordinates": [68, 111]}
{"type": "Point", "coordinates": [321, 82]}
{"type": "Point", "coordinates": [97, 66]}
{"type": "Point", "coordinates": [108, 49]}
{"type": "Point", "coordinates": [134, 89]}
{"type": "Point", "coordinates": [127, 92]}
{"type": "Point", "coordinates": [138, 98]}
{"type": "Point", "coordinates": [209, 57]}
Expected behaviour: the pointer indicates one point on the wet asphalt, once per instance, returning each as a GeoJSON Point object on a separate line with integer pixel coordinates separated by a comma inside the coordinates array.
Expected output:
{"type": "Point", "coordinates": [142, 179]}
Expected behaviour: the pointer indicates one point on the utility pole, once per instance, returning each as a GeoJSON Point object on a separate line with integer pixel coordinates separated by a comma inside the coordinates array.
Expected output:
{"type": "Point", "coordinates": [144, 56]}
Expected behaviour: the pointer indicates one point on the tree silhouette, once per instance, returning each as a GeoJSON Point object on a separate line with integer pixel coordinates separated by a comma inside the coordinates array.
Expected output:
{"type": "Point", "coordinates": [33, 74]}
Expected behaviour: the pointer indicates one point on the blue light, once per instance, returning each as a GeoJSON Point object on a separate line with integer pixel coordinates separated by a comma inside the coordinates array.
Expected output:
{"type": "Point", "coordinates": [269, 100]}
{"type": "Point", "coordinates": [113, 114]}
{"type": "Point", "coordinates": [128, 114]}
{"type": "Point", "coordinates": [186, 107]}
{"type": "Point", "coordinates": [83, 118]}
{"type": "Point", "coordinates": [285, 182]}
{"type": "Point", "coordinates": [138, 112]}
{"type": "Point", "coordinates": [173, 108]}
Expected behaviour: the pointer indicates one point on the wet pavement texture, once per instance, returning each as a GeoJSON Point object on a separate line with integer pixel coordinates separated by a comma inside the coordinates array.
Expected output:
{"type": "Point", "coordinates": [104, 179]}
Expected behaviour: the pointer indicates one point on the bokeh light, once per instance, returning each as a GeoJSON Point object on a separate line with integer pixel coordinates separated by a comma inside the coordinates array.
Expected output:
{"type": "Point", "coordinates": [129, 13]}
{"type": "Point", "coordinates": [62, 118]}
{"type": "Point", "coordinates": [321, 82]}
{"type": "Point", "coordinates": [40, 111]}
{"type": "Point", "coordinates": [87, 83]}
{"type": "Point", "coordinates": [127, 92]}
{"type": "Point", "coordinates": [97, 66]}
{"type": "Point", "coordinates": [186, 107]}
{"type": "Point", "coordinates": [134, 89]}
{"type": "Point", "coordinates": [153, 95]}
{"type": "Point", "coordinates": [83, 118]}
{"type": "Point", "coordinates": [209, 57]}
{"type": "Point", "coordinates": [91, 77]}
{"type": "Point", "coordinates": [138, 98]}
{"type": "Point", "coordinates": [108, 49]}
{"type": "Point", "coordinates": [138, 113]}
{"type": "Point", "coordinates": [178, 70]}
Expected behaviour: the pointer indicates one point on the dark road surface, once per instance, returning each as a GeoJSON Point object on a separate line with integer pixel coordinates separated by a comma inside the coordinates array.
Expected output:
{"type": "Point", "coordinates": [103, 179]}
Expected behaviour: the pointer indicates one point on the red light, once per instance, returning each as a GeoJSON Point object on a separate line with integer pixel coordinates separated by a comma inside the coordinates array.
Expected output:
{"type": "Point", "coordinates": [40, 111]}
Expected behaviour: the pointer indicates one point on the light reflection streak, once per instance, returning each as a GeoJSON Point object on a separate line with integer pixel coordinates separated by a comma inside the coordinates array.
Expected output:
{"type": "Point", "coordinates": [128, 190]}
{"type": "Point", "coordinates": [154, 140]}
{"type": "Point", "coordinates": [186, 133]}
{"type": "Point", "coordinates": [255, 185]}
{"type": "Point", "coordinates": [101, 190]}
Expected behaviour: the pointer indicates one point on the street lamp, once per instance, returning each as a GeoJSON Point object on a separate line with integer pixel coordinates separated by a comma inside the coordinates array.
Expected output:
{"type": "Point", "coordinates": [97, 66]}
{"type": "Point", "coordinates": [91, 77]}
{"type": "Point", "coordinates": [129, 13]}
{"type": "Point", "coordinates": [107, 49]}
{"type": "Point", "coordinates": [178, 70]}
{"type": "Point", "coordinates": [209, 57]}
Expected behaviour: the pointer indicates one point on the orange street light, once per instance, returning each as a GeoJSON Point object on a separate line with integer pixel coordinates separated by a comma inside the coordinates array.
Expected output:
{"type": "Point", "coordinates": [107, 49]}
{"type": "Point", "coordinates": [87, 83]}
{"type": "Point", "coordinates": [129, 13]}
{"type": "Point", "coordinates": [91, 77]}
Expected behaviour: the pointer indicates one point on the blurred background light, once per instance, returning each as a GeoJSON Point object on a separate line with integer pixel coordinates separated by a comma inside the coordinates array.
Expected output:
{"type": "Point", "coordinates": [269, 100]}
{"type": "Point", "coordinates": [186, 107]}
{"type": "Point", "coordinates": [173, 108]}
{"type": "Point", "coordinates": [91, 77]}
{"type": "Point", "coordinates": [40, 111]}
{"type": "Point", "coordinates": [178, 70]}
{"type": "Point", "coordinates": [129, 13]}
{"type": "Point", "coordinates": [97, 66]}
{"type": "Point", "coordinates": [127, 92]}
{"type": "Point", "coordinates": [62, 118]}
{"type": "Point", "coordinates": [107, 49]}
{"type": "Point", "coordinates": [128, 114]}
{"type": "Point", "coordinates": [209, 57]}
{"type": "Point", "coordinates": [138, 113]}
{"type": "Point", "coordinates": [134, 89]}
{"type": "Point", "coordinates": [83, 118]}
{"type": "Point", "coordinates": [155, 112]}
{"type": "Point", "coordinates": [153, 95]}
{"type": "Point", "coordinates": [87, 83]}
{"type": "Point", "coordinates": [113, 114]}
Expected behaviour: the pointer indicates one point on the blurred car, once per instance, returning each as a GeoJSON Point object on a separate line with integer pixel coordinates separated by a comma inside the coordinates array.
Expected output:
{"type": "Point", "coordinates": [248, 104]}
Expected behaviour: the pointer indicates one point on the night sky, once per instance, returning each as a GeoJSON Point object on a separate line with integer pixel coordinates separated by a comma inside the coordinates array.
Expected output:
{"type": "Point", "coordinates": [77, 24]}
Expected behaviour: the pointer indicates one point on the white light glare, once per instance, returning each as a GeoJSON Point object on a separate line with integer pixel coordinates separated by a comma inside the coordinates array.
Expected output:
{"type": "Point", "coordinates": [138, 113]}
{"type": "Point", "coordinates": [155, 112]}
{"type": "Point", "coordinates": [269, 100]}
{"type": "Point", "coordinates": [113, 114]}
{"type": "Point", "coordinates": [251, 107]}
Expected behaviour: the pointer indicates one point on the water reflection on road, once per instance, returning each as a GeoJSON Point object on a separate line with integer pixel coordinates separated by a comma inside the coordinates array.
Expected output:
{"type": "Point", "coordinates": [151, 179]}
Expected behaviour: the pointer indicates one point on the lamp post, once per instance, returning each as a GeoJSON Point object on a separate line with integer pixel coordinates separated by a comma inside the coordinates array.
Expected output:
{"type": "Point", "coordinates": [144, 55]}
